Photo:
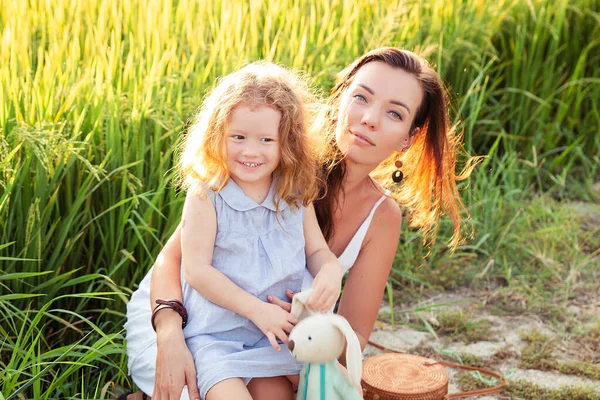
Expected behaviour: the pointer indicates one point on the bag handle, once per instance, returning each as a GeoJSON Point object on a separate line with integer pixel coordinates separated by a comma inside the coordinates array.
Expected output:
{"type": "Point", "coordinates": [484, 371]}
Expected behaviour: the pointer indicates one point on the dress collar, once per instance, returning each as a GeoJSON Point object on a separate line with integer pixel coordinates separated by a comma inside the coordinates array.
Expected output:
{"type": "Point", "coordinates": [235, 197]}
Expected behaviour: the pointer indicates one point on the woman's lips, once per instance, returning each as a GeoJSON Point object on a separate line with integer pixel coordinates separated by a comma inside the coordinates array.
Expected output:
{"type": "Point", "coordinates": [362, 139]}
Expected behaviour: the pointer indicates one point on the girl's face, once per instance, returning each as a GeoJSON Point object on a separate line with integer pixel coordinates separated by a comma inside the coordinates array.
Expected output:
{"type": "Point", "coordinates": [376, 112]}
{"type": "Point", "coordinates": [253, 149]}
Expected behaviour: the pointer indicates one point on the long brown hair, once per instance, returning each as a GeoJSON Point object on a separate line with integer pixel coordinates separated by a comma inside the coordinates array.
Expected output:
{"type": "Point", "coordinates": [429, 187]}
{"type": "Point", "coordinates": [203, 158]}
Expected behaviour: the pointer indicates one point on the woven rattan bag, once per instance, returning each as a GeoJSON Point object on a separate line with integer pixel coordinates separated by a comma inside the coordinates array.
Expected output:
{"type": "Point", "coordinates": [399, 376]}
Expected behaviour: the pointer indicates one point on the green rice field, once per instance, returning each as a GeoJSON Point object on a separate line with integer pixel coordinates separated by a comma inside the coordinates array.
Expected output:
{"type": "Point", "coordinates": [95, 95]}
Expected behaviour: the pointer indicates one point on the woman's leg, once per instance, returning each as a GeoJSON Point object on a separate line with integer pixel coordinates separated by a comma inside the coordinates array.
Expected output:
{"type": "Point", "coordinates": [233, 388]}
{"type": "Point", "coordinates": [276, 388]}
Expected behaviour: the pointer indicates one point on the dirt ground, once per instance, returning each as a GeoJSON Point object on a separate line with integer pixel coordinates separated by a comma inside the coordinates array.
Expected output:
{"type": "Point", "coordinates": [504, 339]}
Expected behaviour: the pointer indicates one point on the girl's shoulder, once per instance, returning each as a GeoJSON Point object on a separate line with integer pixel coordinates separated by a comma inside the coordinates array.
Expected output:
{"type": "Point", "coordinates": [202, 191]}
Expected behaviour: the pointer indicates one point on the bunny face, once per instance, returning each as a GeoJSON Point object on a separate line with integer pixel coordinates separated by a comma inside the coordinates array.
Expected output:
{"type": "Point", "coordinates": [316, 339]}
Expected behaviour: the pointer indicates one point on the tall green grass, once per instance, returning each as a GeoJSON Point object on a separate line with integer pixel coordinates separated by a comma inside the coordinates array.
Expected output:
{"type": "Point", "coordinates": [94, 96]}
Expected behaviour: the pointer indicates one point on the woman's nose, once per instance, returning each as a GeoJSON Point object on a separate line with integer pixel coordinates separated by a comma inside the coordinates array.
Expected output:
{"type": "Point", "coordinates": [291, 345]}
{"type": "Point", "coordinates": [370, 118]}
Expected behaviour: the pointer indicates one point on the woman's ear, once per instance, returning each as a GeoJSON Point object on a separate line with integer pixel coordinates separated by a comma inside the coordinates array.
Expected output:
{"type": "Point", "coordinates": [407, 142]}
{"type": "Point", "coordinates": [413, 135]}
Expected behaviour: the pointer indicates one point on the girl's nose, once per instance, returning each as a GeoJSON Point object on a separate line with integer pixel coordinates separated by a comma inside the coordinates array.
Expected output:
{"type": "Point", "coordinates": [250, 151]}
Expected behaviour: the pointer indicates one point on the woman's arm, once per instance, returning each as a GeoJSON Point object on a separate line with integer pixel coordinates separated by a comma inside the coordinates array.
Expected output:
{"type": "Point", "coordinates": [174, 363]}
{"type": "Point", "coordinates": [166, 281]}
{"type": "Point", "coordinates": [363, 291]}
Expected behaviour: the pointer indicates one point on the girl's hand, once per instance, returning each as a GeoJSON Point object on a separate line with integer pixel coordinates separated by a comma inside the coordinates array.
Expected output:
{"type": "Point", "coordinates": [174, 364]}
{"type": "Point", "coordinates": [326, 288]}
{"type": "Point", "coordinates": [274, 322]}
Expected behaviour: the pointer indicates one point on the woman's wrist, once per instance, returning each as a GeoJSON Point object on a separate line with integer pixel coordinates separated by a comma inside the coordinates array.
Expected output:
{"type": "Point", "coordinates": [168, 322]}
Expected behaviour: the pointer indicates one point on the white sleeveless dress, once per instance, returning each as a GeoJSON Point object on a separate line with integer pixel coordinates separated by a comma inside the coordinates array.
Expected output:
{"type": "Point", "coordinates": [141, 338]}
{"type": "Point", "coordinates": [350, 254]}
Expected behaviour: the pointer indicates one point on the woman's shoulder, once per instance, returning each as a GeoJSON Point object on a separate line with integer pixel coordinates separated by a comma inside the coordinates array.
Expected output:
{"type": "Point", "coordinates": [389, 208]}
{"type": "Point", "coordinates": [388, 212]}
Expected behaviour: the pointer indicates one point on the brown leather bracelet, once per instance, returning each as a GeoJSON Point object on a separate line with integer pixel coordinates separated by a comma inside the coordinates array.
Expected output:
{"type": "Point", "coordinates": [173, 304]}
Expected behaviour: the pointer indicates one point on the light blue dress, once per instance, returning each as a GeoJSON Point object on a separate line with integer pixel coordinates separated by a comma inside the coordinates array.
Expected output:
{"type": "Point", "coordinates": [261, 252]}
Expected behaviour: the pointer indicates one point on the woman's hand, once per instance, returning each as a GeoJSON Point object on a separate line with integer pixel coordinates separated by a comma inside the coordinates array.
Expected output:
{"type": "Point", "coordinates": [174, 363]}
{"type": "Point", "coordinates": [274, 322]}
{"type": "Point", "coordinates": [287, 306]}
{"type": "Point", "coordinates": [326, 288]}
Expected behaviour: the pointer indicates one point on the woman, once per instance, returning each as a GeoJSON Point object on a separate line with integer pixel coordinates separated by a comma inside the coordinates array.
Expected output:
{"type": "Point", "coordinates": [386, 102]}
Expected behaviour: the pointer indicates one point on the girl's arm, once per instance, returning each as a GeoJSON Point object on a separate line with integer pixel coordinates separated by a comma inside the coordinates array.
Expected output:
{"type": "Point", "coordinates": [322, 264]}
{"type": "Point", "coordinates": [199, 229]}
{"type": "Point", "coordinates": [367, 278]}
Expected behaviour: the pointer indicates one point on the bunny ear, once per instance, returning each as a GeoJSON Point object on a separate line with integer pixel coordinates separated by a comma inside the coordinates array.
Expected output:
{"type": "Point", "coordinates": [299, 303]}
{"type": "Point", "coordinates": [353, 351]}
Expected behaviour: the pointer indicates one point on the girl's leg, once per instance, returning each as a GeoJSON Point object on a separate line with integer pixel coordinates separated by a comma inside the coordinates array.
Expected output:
{"type": "Point", "coordinates": [276, 388]}
{"type": "Point", "coordinates": [233, 388]}
{"type": "Point", "coordinates": [294, 379]}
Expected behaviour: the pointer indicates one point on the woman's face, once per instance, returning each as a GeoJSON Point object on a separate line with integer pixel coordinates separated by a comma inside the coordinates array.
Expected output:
{"type": "Point", "coordinates": [376, 113]}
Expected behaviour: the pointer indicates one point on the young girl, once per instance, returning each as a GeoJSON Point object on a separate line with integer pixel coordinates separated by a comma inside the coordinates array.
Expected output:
{"type": "Point", "coordinates": [248, 231]}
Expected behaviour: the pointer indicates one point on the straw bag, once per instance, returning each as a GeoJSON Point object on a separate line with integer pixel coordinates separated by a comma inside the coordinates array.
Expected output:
{"type": "Point", "coordinates": [398, 376]}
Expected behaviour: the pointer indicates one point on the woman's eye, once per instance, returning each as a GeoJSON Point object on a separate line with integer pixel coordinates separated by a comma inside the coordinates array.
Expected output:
{"type": "Point", "coordinates": [360, 97]}
{"type": "Point", "coordinates": [396, 115]}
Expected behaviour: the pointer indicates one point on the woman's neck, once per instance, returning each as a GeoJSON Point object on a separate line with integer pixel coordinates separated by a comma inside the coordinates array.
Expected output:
{"type": "Point", "coordinates": [357, 176]}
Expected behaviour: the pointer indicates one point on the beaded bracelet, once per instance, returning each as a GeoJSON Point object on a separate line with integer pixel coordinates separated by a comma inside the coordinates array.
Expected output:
{"type": "Point", "coordinates": [175, 305]}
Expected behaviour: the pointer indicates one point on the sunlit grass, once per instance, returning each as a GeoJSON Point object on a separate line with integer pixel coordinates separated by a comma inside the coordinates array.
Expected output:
{"type": "Point", "coordinates": [94, 96]}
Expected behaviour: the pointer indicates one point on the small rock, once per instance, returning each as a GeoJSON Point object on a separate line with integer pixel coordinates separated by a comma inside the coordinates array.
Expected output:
{"type": "Point", "coordinates": [586, 210]}
{"type": "Point", "coordinates": [548, 380]}
{"type": "Point", "coordinates": [401, 339]}
{"type": "Point", "coordinates": [576, 311]}
{"type": "Point", "coordinates": [478, 349]}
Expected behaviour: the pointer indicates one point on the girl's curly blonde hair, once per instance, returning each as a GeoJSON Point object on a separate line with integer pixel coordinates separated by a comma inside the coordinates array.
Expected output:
{"type": "Point", "coordinates": [203, 157]}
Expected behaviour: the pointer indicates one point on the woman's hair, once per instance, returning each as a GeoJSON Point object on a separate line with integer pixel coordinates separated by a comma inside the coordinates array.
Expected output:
{"type": "Point", "coordinates": [429, 185]}
{"type": "Point", "coordinates": [203, 156]}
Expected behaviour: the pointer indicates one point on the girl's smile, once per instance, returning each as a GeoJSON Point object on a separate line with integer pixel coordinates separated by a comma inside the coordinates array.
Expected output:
{"type": "Point", "coordinates": [250, 165]}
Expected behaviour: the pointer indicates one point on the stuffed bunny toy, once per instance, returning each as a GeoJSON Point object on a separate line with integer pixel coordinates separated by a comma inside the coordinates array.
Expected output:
{"type": "Point", "coordinates": [318, 340]}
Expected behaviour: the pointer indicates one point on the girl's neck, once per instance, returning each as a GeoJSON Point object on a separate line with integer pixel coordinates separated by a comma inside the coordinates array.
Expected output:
{"type": "Point", "coordinates": [257, 191]}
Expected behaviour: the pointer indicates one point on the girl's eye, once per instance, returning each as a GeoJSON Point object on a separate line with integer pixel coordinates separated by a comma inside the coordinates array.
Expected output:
{"type": "Point", "coordinates": [360, 97]}
{"type": "Point", "coordinates": [396, 115]}
{"type": "Point", "coordinates": [266, 140]}
{"type": "Point", "coordinates": [238, 137]}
